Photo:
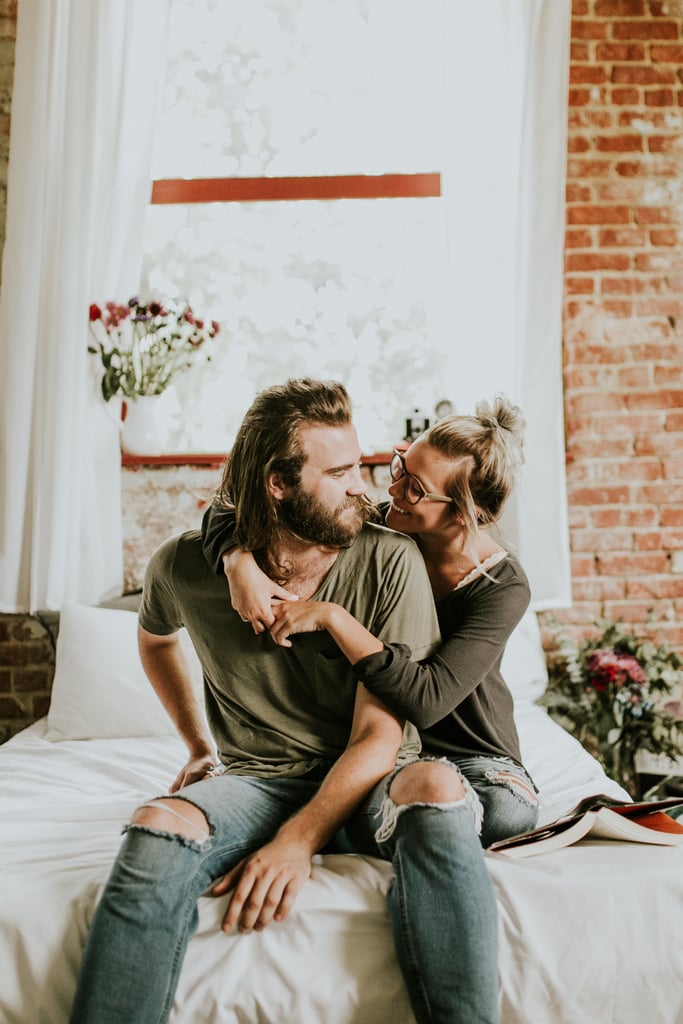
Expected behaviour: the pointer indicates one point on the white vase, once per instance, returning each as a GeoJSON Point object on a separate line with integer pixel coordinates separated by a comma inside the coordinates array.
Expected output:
{"type": "Point", "coordinates": [141, 432]}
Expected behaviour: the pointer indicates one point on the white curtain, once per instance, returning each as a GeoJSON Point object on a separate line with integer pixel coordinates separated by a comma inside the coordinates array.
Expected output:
{"type": "Point", "coordinates": [506, 100]}
{"type": "Point", "coordinates": [86, 88]}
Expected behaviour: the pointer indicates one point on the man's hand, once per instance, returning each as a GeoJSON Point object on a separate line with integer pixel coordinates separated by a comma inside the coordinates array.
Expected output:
{"type": "Point", "coordinates": [196, 769]}
{"type": "Point", "coordinates": [266, 885]}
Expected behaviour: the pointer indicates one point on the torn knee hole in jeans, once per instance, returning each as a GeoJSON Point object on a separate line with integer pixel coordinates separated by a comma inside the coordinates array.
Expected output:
{"type": "Point", "coordinates": [518, 786]}
{"type": "Point", "coordinates": [390, 812]}
{"type": "Point", "coordinates": [191, 832]}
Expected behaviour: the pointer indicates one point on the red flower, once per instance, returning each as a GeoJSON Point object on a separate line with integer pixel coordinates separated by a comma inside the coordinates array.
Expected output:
{"type": "Point", "coordinates": [95, 312]}
{"type": "Point", "coordinates": [607, 667]}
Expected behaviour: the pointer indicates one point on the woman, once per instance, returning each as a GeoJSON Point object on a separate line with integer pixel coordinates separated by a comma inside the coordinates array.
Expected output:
{"type": "Point", "coordinates": [447, 491]}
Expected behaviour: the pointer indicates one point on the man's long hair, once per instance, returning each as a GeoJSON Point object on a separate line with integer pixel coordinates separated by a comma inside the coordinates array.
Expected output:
{"type": "Point", "coordinates": [268, 442]}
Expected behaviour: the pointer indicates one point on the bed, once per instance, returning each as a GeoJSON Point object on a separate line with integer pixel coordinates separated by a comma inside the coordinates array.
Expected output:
{"type": "Point", "coordinates": [592, 933]}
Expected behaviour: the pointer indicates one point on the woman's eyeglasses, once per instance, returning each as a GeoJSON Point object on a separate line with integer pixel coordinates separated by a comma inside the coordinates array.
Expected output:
{"type": "Point", "coordinates": [413, 489]}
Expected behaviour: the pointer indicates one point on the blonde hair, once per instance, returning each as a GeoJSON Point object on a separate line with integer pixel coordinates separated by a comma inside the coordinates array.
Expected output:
{"type": "Point", "coordinates": [486, 448]}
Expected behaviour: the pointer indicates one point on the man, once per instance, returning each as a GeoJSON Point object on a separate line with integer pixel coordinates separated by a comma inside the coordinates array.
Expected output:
{"type": "Point", "coordinates": [297, 756]}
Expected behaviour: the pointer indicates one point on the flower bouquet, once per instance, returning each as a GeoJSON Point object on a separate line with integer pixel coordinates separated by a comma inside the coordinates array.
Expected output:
{"type": "Point", "coordinates": [610, 691]}
{"type": "Point", "coordinates": [144, 346]}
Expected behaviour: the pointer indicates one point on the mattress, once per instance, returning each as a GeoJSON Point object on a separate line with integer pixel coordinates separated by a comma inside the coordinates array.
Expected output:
{"type": "Point", "coordinates": [591, 933]}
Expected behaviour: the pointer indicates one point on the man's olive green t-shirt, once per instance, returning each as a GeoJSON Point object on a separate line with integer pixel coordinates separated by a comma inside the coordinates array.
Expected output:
{"type": "Point", "coordinates": [281, 710]}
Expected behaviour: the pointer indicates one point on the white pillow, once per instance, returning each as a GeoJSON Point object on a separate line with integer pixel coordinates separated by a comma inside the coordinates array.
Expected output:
{"type": "Point", "coordinates": [100, 689]}
{"type": "Point", "coordinates": [523, 666]}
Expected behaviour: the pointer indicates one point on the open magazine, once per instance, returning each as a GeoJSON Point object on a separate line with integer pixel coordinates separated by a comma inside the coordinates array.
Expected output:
{"type": "Point", "coordinates": [600, 817]}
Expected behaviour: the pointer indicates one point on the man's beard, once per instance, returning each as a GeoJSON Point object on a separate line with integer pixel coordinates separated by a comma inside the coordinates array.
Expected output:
{"type": "Point", "coordinates": [309, 519]}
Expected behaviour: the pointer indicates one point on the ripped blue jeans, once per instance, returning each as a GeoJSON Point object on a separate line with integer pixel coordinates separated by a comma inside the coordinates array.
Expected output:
{"type": "Point", "coordinates": [441, 901]}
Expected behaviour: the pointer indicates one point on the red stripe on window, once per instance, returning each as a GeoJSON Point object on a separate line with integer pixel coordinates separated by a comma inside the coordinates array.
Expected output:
{"type": "Point", "coordinates": [249, 190]}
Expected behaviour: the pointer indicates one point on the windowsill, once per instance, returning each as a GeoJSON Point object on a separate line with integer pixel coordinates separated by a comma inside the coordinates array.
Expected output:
{"type": "Point", "coordinates": [214, 460]}
{"type": "Point", "coordinates": [211, 460]}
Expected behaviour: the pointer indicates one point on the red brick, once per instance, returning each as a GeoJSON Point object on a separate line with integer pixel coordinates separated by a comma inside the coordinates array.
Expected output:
{"type": "Point", "coordinates": [665, 493]}
{"type": "Point", "coordinates": [607, 517]}
{"type": "Point", "coordinates": [579, 239]}
{"type": "Point", "coordinates": [577, 168]}
{"type": "Point", "coordinates": [632, 563]}
{"type": "Point", "coordinates": [619, 8]}
{"type": "Point", "coordinates": [662, 398]}
{"type": "Point", "coordinates": [641, 517]}
{"type": "Point", "coordinates": [671, 516]}
{"type": "Point", "coordinates": [598, 215]}
{"type": "Point", "coordinates": [647, 29]}
{"type": "Point", "coordinates": [633, 612]}
{"type": "Point", "coordinates": [578, 193]}
{"type": "Point", "coordinates": [659, 540]}
{"type": "Point", "coordinates": [634, 377]}
{"type": "Point", "coordinates": [666, 53]}
{"type": "Point", "coordinates": [626, 238]}
{"type": "Point", "coordinates": [583, 118]}
{"type": "Point", "coordinates": [625, 97]}
{"type": "Point", "coordinates": [617, 307]}
{"type": "Point", "coordinates": [599, 495]}
{"type": "Point", "coordinates": [664, 143]}
{"type": "Point", "coordinates": [611, 52]}
{"type": "Point", "coordinates": [658, 444]}
{"type": "Point", "coordinates": [665, 236]}
{"type": "Point", "coordinates": [659, 97]}
{"type": "Point", "coordinates": [642, 74]}
{"type": "Point", "coordinates": [632, 286]}
{"type": "Point", "coordinates": [579, 285]}
{"type": "Point", "coordinates": [673, 468]}
{"type": "Point", "coordinates": [621, 191]}
{"type": "Point", "coordinates": [667, 376]}
{"type": "Point", "coordinates": [602, 540]}
{"type": "Point", "coordinates": [588, 74]}
{"type": "Point", "coordinates": [578, 144]}
{"type": "Point", "coordinates": [650, 588]}
{"type": "Point", "coordinates": [583, 563]}
{"type": "Point", "coordinates": [597, 589]}
{"type": "Point", "coordinates": [658, 262]}
{"type": "Point", "coordinates": [578, 97]}
{"type": "Point", "coordinates": [619, 143]}
{"type": "Point", "coordinates": [579, 261]}
{"type": "Point", "coordinates": [600, 447]}
{"type": "Point", "coordinates": [631, 169]}
{"type": "Point", "coordinates": [589, 30]}
{"type": "Point", "coordinates": [579, 51]}
{"type": "Point", "coordinates": [656, 215]}
{"type": "Point", "coordinates": [670, 307]}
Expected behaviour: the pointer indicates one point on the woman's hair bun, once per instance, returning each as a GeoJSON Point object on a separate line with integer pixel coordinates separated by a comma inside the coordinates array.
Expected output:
{"type": "Point", "coordinates": [503, 414]}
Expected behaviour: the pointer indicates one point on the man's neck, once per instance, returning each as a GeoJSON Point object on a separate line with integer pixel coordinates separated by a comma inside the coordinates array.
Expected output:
{"type": "Point", "coordinates": [308, 564]}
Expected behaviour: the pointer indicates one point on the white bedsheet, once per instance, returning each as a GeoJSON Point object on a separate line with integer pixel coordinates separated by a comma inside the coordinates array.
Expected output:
{"type": "Point", "coordinates": [589, 935]}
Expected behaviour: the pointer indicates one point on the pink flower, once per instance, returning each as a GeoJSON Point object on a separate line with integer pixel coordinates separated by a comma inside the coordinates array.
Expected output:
{"type": "Point", "coordinates": [607, 667]}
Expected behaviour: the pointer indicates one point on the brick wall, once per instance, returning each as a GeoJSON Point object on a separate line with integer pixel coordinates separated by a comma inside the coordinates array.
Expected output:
{"type": "Point", "coordinates": [623, 318]}
{"type": "Point", "coordinates": [623, 337]}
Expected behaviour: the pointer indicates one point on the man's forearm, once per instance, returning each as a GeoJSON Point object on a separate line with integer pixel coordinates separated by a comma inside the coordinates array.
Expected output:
{"type": "Point", "coordinates": [167, 669]}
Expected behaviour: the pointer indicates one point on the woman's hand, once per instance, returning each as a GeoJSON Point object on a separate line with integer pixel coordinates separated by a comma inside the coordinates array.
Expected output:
{"type": "Point", "coordinates": [302, 617]}
{"type": "Point", "coordinates": [253, 595]}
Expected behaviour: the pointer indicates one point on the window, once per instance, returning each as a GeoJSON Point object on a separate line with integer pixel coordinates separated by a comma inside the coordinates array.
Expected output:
{"type": "Point", "coordinates": [281, 92]}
